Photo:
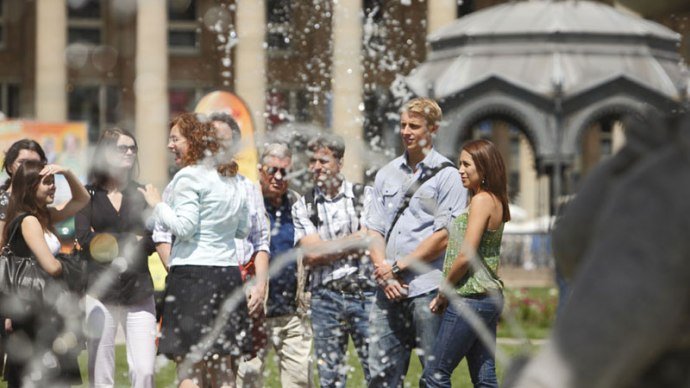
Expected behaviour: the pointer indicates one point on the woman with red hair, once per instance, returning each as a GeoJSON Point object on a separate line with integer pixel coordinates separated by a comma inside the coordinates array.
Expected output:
{"type": "Point", "coordinates": [205, 317]}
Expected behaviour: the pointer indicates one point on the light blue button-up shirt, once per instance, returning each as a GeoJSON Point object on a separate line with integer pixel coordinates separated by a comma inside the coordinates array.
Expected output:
{"type": "Point", "coordinates": [206, 212]}
{"type": "Point", "coordinates": [431, 208]}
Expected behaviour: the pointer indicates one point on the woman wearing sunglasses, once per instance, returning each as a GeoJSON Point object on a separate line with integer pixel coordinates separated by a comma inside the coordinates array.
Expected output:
{"type": "Point", "coordinates": [120, 290]}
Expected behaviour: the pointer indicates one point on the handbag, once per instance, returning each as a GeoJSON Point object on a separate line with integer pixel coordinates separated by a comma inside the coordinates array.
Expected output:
{"type": "Point", "coordinates": [74, 273]}
{"type": "Point", "coordinates": [21, 276]}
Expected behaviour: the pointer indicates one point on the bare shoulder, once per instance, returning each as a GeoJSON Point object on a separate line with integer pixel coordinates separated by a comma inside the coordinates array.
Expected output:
{"type": "Point", "coordinates": [484, 200]}
{"type": "Point", "coordinates": [489, 206]}
{"type": "Point", "coordinates": [30, 221]}
{"type": "Point", "coordinates": [31, 224]}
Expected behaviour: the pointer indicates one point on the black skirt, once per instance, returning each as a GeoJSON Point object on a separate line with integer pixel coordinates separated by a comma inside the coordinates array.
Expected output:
{"type": "Point", "coordinates": [196, 317]}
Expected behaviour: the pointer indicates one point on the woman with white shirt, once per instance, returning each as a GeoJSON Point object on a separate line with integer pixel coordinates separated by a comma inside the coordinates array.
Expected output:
{"type": "Point", "coordinates": [30, 231]}
{"type": "Point", "coordinates": [206, 210]}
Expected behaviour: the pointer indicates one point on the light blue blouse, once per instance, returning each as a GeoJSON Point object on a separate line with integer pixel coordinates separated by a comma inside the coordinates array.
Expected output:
{"type": "Point", "coordinates": [205, 211]}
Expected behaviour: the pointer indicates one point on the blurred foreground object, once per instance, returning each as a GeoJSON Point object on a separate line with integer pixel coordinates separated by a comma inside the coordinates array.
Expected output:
{"type": "Point", "coordinates": [625, 324]}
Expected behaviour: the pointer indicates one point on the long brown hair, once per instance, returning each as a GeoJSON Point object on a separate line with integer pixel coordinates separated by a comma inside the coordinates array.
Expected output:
{"type": "Point", "coordinates": [203, 140]}
{"type": "Point", "coordinates": [100, 170]}
{"type": "Point", "coordinates": [491, 170]}
{"type": "Point", "coordinates": [25, 183]}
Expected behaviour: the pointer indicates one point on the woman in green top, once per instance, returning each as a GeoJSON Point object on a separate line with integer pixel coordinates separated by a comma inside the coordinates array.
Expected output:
{"type": "Point", "coordinates": [470, 267]}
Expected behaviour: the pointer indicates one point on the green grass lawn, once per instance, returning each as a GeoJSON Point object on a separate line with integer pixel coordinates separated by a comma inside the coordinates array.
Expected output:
{"type": "Point", "coordinates": [165, 374]}
{"type": "Point", "coordinates": [528, 313]}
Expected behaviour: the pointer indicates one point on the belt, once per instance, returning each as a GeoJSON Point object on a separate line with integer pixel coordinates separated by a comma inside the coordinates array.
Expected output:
{"type": "Point", "coordinates": [348, 287]}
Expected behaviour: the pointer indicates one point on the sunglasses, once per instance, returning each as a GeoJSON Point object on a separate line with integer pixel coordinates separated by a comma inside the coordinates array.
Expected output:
{"type": "Point", "coordinates": [273, 170]}
{"type": "Point", "coordinates": [124, 148]}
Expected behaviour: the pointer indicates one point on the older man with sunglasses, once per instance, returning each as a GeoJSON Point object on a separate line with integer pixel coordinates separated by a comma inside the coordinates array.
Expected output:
{"type": "Point", "coordinates": [287, 328]}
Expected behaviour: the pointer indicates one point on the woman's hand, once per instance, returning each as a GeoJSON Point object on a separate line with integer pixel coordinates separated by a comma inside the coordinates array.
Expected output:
{"type": "Point", "coordinates": [151, 195]}
{"type": "Point", "coordinates": [438, 304]}
{"type": "Point", "coordinates": [51, 169]}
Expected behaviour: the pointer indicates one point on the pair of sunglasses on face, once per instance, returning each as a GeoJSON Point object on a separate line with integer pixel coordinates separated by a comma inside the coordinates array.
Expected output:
{"type": "Point", "coordinates": [124, 148]}
{"type": "Point", "coordinates": [274, 170]}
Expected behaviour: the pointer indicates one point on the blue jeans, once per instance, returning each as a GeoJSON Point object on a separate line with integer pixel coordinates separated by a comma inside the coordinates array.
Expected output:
{"type": "Point", "coordinates": [397, 328]}
{"type": "Point", "coordinates": [334, 316]}
{"type": "Point", "coordinates": [456, 339]}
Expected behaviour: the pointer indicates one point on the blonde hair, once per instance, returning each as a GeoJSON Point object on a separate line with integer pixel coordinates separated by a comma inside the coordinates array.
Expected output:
{"type": "Point", "coordinates": [426, 108]}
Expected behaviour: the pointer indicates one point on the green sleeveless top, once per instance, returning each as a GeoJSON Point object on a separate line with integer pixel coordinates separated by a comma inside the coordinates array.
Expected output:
{"type": "Point", "coordinates": [477, 280]}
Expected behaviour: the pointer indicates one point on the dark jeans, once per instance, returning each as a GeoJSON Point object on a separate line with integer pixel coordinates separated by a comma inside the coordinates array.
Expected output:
{"type": "Point", "coordinates": [335, 316]}
{"type": "Point", "coordinates": [397, 328]}
{"type": "Point", "coordinates": [457, 339]}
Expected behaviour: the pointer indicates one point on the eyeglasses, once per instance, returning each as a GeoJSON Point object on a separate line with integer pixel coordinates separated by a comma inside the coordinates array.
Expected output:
{"type": "Point", "coordinates": [273, 170]}
{"type": "Point", "coordinates": [124, 148]}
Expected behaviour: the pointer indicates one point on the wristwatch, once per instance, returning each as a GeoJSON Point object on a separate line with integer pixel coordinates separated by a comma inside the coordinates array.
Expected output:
{"type": "Point", "coordinates": [395, 270]}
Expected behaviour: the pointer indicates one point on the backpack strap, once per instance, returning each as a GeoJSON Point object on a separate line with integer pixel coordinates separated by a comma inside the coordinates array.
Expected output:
{"type": "Point", "coordinates": [358, 201]}
{"type": "Point", "coordinates": [312, 209]}
{"type": "Point", "coordinates": [425, 176]}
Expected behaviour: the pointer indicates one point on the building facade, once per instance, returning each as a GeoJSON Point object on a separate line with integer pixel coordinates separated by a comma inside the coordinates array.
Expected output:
{"type": "Point", "coordinates": [332, 65]}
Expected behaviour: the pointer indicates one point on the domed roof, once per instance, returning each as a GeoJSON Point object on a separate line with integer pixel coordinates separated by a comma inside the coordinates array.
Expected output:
{"type": "Point", "coordinates": [538, 44]}
{"type": "Point", "coordinates": [552, 17]}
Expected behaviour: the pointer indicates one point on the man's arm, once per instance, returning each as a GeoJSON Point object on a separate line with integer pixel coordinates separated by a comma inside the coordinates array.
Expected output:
{"type": "Point", "coordinates": [320, 252]}
{"type": "Point", "coordinates": [163, 250]}
{"type": "Point", "coordinates": [428, 249]}
{"type": "Point", "coordinates": [257, 294]}
{"type": "Point", "coordinates": [259, 238]}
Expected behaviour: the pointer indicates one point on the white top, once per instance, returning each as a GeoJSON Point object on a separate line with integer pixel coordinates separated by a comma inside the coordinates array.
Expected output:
{"type": "Point", "coordinates": [205, 212]}
{"type": "Point", "coordinates": [52, 241]}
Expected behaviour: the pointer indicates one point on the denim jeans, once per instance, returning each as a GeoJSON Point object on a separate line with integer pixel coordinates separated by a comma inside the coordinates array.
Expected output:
{"type": "Point", "coordinates": [397, 328]}
{"type": "Point", "coordinates": [456, 339]}
{"type": "Point", "coordinates": [334, 316]}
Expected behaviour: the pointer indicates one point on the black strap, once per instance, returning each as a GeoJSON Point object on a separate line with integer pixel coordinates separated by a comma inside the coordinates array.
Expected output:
{"type": "Point", "coordinates": [17, 224]}
{"type": "Point", "coordinates": [425, 176]}
{"type": "Point", "coordinates": [312, 209]}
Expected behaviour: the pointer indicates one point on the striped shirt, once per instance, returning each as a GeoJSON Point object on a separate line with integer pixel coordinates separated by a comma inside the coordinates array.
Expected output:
{"type": "Point", "coordinates": [338, 217]}
{"type": "Point", "coordinates": [259, 228]}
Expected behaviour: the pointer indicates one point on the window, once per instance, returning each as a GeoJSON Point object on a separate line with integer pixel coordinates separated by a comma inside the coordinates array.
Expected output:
{"type": "Point", "coordinates": [183, 99]}
{"type": "Point", "coordinates": [278, 29]}
{"type": "Point", "coordinates": [465, 7]}
{"type": "Point", "coordinates": [98, 105]}
{"type": "Point", "coordinates": [183, 26]}
{"type": "Point", "coordinates": [2, 24]}
{"type": "Point", "coordinates": [285, 105]}
{"type": "Point", "coordinates": [376, 104]}
{"type": "Point", "coordinates": [373, 9]}
{"type": "Point", "coordinates": [84, 22]}
{"type": "Point", "coordinates": [9, 99]}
